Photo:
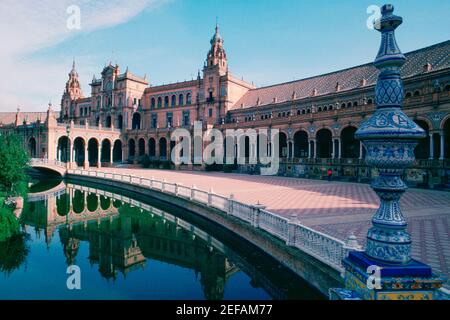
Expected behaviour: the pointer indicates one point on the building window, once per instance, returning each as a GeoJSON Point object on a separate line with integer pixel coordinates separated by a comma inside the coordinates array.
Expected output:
{"type": "Point", "coordinates": [210, 112]}
{"type": "Point", "coordinates": [188, 99]}
{"type": "Point", "coordinates": [154, 120]}
{"type": "Point", "coordinates": [166, 102]}
{"type": "Point", "coordinates": [152, 103]}
{"type": "Point", "coordinates": [169, 122]}
{"type": "Point", "coordinates": [159, 102]}
{"type": "Point", "coordinates": [181, 100]}
{"type": "Point", "coordinates": [174, 101]}
{"type": "Point", "coordinates": [186, 120]}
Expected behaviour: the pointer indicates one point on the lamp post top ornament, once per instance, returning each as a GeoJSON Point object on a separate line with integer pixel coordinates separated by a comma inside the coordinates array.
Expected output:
{"type": "Point", "coordinates": [390, 137]}
{"type": "Point", "coordinates": [389, 91]}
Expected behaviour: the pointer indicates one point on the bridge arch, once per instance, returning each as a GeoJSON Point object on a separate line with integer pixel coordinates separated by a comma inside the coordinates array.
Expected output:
{"type": "Point", "coordinates": [301, 144]}
{"type": "Point", "coordinates": [324, 143]}
{"type": "Point", "coordinates": [63, 149]}
{"type": "Point", "coordinates": [93, 152]}
{"type": "Point", "coordinates": [117, 151]}
{"type": "Point", "coordinates": [79, 151]}
{"type": "Point", "coordinates": [106, 151]}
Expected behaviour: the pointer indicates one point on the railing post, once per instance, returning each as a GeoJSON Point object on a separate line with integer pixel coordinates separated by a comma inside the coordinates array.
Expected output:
{"type": "Point", "coordinates": [351, 244]}
{"type": "Point", "coordinates": [192, 192]}
{"type": "Point", "coordinates": [230, 204]}
{"type": "Point", "coordinates": [210, 195]}
{"type": "Point", "coordinates": [151, 182]}
{"type": "Point", "coordinates": [292, 225]}
{"type": "Point", "coordinates": [256, 210]}
{"type": "Point", "coordinates": [176, 189]}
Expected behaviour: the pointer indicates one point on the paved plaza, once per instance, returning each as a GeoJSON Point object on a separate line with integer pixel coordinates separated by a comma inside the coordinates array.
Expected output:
{"type": "Point", "coordinates": [335, 208]}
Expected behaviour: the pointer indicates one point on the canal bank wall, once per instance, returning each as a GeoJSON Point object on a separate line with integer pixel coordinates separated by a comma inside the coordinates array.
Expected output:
{"type": "Point", "coordinates": [317, 273]}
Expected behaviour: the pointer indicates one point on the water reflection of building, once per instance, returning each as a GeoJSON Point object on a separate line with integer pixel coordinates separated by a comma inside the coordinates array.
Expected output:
{"type": "Point", "coordinates": [122, 236]}
{"type": "Point", "coordinates": [58, 208]}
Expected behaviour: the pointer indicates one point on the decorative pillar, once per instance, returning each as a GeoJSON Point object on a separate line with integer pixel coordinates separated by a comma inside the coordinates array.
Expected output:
{"type": "Point", "coordinates": [309, 149]}
{"type": "Point", "coordinates": [441, 133]}
{"type": "Point", "coordinates": [334, 155]}
{"type": "Point", "coordinates": [168, 156]}
{"type": "Point", "coordinates": [431, 146]}
{"type": "Point", "coordinates": [70, 160]}
{"type": "Point", "coordinates": [86, 156]}
{"type": "Point", "coordinates": [385, 270]}
{"type": "Point", "coordinates": [293, 149]}
{"type": "Point", "coordinates": [315, 148]}
{"type": "Point", "coordinates": [111, 154]}
{"type": "Point", "coordinates": [339, 155]}
{"type": "Point", "coordinates": [99, 157]}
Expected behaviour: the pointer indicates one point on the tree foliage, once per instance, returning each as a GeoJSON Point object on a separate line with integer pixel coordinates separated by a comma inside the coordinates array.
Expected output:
{"type": "Point", "coordinates": [9, 224]}
{"type": "Point", "coordinates": [13, 162]}
{"type": "Point", "coordinates": [13, 253]}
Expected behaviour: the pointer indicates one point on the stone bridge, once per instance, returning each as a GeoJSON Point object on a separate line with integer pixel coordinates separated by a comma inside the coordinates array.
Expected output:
{"type": "Point", "coordinates": [52, 165]}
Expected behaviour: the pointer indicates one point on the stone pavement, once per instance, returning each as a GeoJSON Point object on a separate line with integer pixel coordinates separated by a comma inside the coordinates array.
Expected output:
{"type": "Point", "coordinates": [335, 208]}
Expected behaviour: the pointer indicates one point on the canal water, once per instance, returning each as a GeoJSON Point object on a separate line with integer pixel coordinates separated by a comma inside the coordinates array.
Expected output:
{"type": "Point", "coordinates": [131, 249]}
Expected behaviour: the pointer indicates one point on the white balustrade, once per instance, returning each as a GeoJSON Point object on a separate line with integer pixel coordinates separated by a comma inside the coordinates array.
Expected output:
{"type": "Point", "coordinates": [325, 248]}
{"type": "Point", "coordinates": [200, 196]}
{"type": "Point", "coordinates": [219, 202]}
{"type": "Point", "coordinates": [273, 224]}
{"type": "Point", "coordinates": [242, 211]}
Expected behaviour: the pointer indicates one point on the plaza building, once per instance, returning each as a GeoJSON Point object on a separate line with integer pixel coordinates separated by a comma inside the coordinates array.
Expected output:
{"type": "Point", "coordinates": [126, 119]}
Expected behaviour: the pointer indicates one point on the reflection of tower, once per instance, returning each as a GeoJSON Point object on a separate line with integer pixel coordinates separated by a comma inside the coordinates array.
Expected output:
{"type": "Point", "coordinates": [71, 247]}
{"type": "Point", "coordinates": [213, 275]}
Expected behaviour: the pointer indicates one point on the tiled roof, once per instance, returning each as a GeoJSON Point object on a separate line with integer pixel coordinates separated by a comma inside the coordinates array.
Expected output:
{"type": "Point", "coordinates": [7, 118]}
{"type": "Point", "coordinates": [348, 79]}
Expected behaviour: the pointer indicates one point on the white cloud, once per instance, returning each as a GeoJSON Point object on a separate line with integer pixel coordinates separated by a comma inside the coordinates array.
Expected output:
{"type": "Point", "coordinates": [27, 26]}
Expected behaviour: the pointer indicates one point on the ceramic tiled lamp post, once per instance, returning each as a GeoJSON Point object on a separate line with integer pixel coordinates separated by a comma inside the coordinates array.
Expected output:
{"type": "Point", "coordinates": [389, 137]}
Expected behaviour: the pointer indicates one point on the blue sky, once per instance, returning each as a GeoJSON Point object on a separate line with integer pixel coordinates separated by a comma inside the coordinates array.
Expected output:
{"type": "Point", "coordinates": [267, 41]}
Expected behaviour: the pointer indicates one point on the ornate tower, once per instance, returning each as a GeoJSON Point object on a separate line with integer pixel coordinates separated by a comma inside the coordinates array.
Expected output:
{"type": "Point", "coordinates": [71, 93]}
{"type": "Point", "coordinates": [385, 270]}
{"type": "Point", "coordinates": [213, 93]}
{"type": "Point", "coordinates": [217, 57]}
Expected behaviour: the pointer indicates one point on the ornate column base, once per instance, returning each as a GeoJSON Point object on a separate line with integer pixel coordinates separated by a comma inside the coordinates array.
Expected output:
{"type": "Point", "coordinates": [411, 281]}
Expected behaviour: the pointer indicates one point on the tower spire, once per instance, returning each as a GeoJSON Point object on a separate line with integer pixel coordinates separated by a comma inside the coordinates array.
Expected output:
{"type": "Point", "coordinates": [217, 55]}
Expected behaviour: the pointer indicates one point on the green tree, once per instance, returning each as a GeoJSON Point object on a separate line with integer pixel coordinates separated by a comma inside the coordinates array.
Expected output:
{"type": "Point", "coordinates": [13, 252]}
{"type": "Point", "coordinates": [9, 224]}
{"type": "Point", "coordinates": [13, 162]}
